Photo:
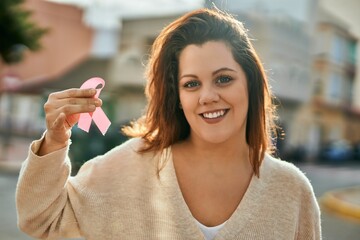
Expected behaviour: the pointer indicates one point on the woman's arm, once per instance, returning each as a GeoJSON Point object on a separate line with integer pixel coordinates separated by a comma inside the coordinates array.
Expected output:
{"type": "Point", "coordinates": [309, 223]}
{"type": "Point", "coordinates": [42, 198]}
{"type": "Point", "coordinates": [42, 195]}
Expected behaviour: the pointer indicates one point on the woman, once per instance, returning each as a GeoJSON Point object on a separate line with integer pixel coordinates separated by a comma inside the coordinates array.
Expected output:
{"type": "Point", "coordinates": [197, 167]}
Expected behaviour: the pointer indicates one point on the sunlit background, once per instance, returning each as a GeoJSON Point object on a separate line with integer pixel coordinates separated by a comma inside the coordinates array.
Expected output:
{"type": "Point", "coordinates": [309, 49]}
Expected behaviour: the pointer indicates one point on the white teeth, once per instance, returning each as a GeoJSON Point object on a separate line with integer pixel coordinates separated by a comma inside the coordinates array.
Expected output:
{"type": "Point", "coordinates": [214, 114]}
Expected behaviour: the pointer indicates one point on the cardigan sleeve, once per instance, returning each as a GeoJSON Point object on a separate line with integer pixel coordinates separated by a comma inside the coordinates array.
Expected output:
{"type": "Point", "coordinates": [42, 196]}
{"type": "Point", "coordinates": [309, 223]}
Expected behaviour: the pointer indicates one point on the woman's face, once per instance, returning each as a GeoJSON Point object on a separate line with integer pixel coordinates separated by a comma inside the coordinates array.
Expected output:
{"type": "Point", "coordinates": [213, 93]}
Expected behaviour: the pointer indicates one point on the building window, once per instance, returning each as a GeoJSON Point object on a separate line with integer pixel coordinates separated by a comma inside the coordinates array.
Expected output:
{"type": "Point", "coordinates": [334, 88]}
{"type": "Point", "coordinates": [348, 90]}
{"type": "Point", "coordinates": [343, 50]}
{"type": "Point", "coordinates": [352, 52]}
{"type": "Point", "coordinates": [338, 50]}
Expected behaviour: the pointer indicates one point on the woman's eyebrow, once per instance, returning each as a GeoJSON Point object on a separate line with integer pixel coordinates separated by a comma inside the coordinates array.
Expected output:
{"type": "Point", "coordinates": [223, 69]}
{"type": "Point", "coordinates": [214, 73]}
{"type": "Point", "coordinates": [188, 75]}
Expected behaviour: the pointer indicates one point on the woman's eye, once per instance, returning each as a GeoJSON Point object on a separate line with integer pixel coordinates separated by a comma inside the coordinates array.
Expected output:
{"type": "Point", "coordinates": [223, 79]}
{"type": "Point", "coordinates": [191, 84]}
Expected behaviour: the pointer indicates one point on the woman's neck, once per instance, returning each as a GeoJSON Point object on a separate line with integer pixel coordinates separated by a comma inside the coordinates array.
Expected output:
{"type": "Point", "coordinates": [219, 155]}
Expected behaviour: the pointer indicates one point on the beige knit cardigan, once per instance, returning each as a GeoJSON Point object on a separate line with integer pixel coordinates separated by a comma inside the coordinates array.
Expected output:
{"type": "Point", "coordinates": [119, 196]}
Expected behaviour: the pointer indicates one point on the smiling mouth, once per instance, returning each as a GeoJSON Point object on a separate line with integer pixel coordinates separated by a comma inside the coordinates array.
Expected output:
{"type": "Point", "coordinates": [214, 115]}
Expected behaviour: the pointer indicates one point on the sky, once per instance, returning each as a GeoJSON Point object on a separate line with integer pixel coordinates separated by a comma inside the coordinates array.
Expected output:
{"type": "Point", "coordinates": [135, 8]}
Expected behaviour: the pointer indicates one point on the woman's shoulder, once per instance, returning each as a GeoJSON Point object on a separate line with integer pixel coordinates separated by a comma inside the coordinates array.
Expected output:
{"type": "Point", "coordinates": [122, 168]}
{"type": "Point", "coordinates": [282, 172]}
{"type": "Point", "coordinates": [121, 159]}
{"type": "Point", "coordinates": [132, 146]}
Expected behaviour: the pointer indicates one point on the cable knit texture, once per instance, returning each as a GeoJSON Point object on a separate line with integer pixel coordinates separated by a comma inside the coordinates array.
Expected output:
{"type": "Point", "coordinates": [119, 196]}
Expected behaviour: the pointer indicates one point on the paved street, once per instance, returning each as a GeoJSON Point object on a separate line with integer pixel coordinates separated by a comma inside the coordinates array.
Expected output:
{"type": "Point", "coordinates": [326, 178]}
{"type": "Point", "coordinates": [8, 228]}
{"type": "Point", "coordinates": [323, 178]}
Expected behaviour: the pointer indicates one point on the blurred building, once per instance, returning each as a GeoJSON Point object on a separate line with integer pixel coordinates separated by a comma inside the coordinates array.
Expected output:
{"type": "Point", "coordinates": [83, 42]}
{"type": "Point", "coordinates": [126, 72]}
{"type": "Point", "coordinates": [348, 12]}
{"type": "Point", "coordinates": [332, 115]}
{"type": "Point", "coordinates": [309, 56]}
{"type": "Point", "coordinates": [22, 85]}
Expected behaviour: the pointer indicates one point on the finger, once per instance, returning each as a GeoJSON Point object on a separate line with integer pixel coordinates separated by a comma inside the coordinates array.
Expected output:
{"type": "Point", "coordinates": [69, 125]}
{"type": "Point", "coordinates": [76, 109]}
{"type": "Point", "coordinates": [77, 101]}
{"type": "Point", "coordinates": [74, 93]}
{"type": "Point", "coordinates": [60, 121]}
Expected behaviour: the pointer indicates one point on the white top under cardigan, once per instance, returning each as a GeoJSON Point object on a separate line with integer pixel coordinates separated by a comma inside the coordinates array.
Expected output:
{"type": "Point", "coordinates": [209, 232]}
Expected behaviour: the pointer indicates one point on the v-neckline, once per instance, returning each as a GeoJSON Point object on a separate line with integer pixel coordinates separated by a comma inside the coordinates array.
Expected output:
{"type": "Point", "coordinates": [237, 220]}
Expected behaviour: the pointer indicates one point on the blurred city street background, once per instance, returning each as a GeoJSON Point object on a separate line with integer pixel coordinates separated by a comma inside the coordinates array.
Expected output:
{"type": "Point", "coordinates": [309, 48]}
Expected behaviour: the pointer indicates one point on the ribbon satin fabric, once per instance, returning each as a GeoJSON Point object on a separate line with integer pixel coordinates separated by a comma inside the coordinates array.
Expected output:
{"type": "Point", "coordinates": [99, 117]}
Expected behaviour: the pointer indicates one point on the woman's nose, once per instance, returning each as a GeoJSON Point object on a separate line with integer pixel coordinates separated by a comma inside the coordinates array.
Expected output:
{"type": "Point", "coordinates": [208, 95]}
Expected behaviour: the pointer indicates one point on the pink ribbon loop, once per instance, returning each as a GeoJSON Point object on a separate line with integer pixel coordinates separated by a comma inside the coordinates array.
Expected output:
{"type": "Point", "coordinates": [99, 117]}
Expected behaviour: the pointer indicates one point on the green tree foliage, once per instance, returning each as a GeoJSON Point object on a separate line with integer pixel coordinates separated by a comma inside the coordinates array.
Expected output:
{"type": "Point", "coordinates": [17, 31]}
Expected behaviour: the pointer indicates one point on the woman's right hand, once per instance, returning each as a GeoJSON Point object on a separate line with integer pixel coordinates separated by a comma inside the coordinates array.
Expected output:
{"type": "Point", "coordinates": [62, 111]}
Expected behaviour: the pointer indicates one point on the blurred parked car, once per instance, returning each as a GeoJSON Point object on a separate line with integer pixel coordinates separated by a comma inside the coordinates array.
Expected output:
{"type": "Point", "coordinates": [356, 151]}
{"type": "Point", "coordinates": [336, 151]}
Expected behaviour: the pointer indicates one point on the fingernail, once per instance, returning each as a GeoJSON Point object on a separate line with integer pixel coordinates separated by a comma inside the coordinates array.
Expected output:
{"type": "Point", "coordinates": [97, 102]}
{"type": "Point", "coordinates": [92, 91]}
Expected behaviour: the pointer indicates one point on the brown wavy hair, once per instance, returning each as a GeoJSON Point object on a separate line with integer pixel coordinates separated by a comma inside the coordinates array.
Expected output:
{"type": "Point", "coordinates": [164, 122]}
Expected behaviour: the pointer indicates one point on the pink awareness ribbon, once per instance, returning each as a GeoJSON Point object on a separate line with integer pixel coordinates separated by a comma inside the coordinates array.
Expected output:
{"type": "Point", "coordinates": [99, 117]}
